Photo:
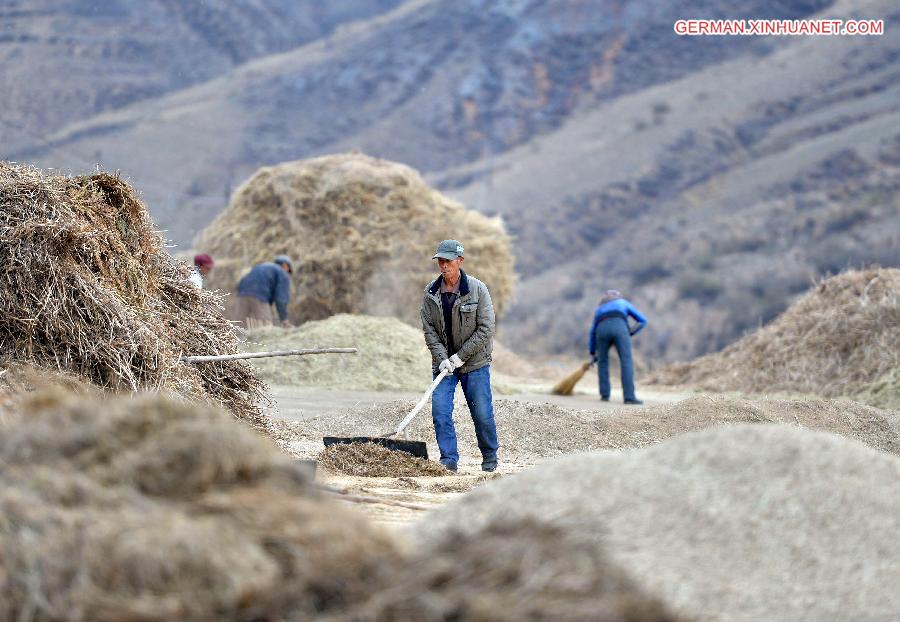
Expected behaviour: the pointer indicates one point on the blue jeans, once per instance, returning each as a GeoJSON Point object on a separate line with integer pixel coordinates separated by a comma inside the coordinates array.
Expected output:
{"type": "Point", "coordinates": [476, 386]}
{"type": "Point", "coordinates": [614, 332]}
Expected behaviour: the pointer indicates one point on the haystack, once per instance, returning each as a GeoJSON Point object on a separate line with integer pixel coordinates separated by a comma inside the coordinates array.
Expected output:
{"type": "Point", "coordinates": [362, 232]}
{"type": "Point", "coordinates": [884, 392]}
{"type": "Point", "coordinates": [151, 509]}
{"type": "Point", "coordinates": [746, 522]}
{"type": "Point", "coordinates": [88, 288]}
{"type": "Point", "coordinates": [392, 354]}
{"type": "Point", "coordinates": [836, 339]}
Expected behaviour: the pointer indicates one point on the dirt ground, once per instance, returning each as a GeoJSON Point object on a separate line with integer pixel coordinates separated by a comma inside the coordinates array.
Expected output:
{"type": "Point", "coordinates": [397, 501]}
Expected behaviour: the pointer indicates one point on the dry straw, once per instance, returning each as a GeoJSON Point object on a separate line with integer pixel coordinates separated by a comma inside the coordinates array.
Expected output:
{"type": "Point", "coordinates": [744, 523]}
{"type": "Point", "coordinates": [87, 287]}
{"type": "Point", "coordinates": [150, 509]}
{"type": "Point", "coordinates": [834, 341]}
{"type": "Point", "coordinates": [362, 232]}
{"type": "Point", "coordinates": [371, 460]}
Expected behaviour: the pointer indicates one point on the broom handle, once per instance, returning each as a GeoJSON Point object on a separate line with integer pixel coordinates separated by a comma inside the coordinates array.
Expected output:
{"type": "Point", "coordinates": [418, 407]}
{"type": "Point", "coordinates": [258, 355]}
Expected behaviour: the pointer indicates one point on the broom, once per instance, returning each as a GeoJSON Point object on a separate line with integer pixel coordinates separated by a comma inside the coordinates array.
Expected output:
{"type": "Point", "coordinates": [567, 384]}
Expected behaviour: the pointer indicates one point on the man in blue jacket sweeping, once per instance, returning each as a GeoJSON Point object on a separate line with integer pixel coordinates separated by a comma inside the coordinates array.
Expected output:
{"type": "Point", "coordinates": [611, 328]}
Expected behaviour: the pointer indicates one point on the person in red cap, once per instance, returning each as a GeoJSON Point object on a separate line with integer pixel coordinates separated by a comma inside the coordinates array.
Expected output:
{"type": "Point", "coordinates": [203, 264]}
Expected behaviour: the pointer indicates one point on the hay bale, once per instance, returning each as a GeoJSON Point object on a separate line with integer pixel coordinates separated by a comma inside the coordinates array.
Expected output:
{"type": "Point", "coordinates": [747, 522]}
{"type": "Point", "coordinates": [155, 510]}
{"type": "Point", "coordinates": [530, 431]}
{"type": "Point", "coordinates": [362, 231]}
{"type": "Point", "coordinates": [392, 355]}
{"type": "Point", "coordinates": [836, 339]}
{"type": "Point", "coordinates": [89, 288]}
{"type": "Point", "coordinates": [371, 460]}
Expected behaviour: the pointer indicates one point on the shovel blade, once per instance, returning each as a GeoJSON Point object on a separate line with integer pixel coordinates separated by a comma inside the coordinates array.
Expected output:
{"type": "Point", "coordinates": [414, 448]}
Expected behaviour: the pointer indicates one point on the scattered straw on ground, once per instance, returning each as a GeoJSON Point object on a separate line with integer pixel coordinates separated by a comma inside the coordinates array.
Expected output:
{"type": "Point", "coordinates": [371, 460]}
{"type": "Point", "coordinates": [838, 338]}
{"type": "Point", "coordinates": [528, 431]}
{"type": "Point", "coordinates": [362, 231]}
{"type": "Point", "coordinates": [88, 288]}
{"type": "Point", "coordinates": [392, 355]}
{"type": "Point", "coordinates": [744, 523]}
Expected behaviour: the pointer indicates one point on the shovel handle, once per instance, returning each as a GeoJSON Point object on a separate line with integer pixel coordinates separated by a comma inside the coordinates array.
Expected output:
{"type": "Point", "coordinates": [418, 407]}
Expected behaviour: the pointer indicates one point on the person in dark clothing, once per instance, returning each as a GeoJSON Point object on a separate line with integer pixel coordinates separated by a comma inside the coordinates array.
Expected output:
{"type": "Point", "coordinates": [266, 284]}
{"type": "Point", "coordinates": [611, 328]}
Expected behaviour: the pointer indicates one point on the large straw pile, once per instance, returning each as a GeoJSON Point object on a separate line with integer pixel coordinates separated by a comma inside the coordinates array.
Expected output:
{"type": "Point", "coordinates": [529, 431]}
{"type": "Point", "coordinates": [392, 354]}
{"type": "Point", "coordinates": [884, 392]}
{"type": "Point", "coordinates": [87, 287]}
{"type": "Point", "coordinates": [362, 232]}
{"type": "Point", "coordinates": [839, 337]}
{"type": "Point", "coordinates": [743, 523]}
{"type": "Point", "coordinates": [148, 509]}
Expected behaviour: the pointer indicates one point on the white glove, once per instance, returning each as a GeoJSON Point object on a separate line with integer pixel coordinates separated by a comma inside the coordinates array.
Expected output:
{"type": "Point", "coordinates": [456, 361]}
{"type": "Point", "coordinates": [447, 366]}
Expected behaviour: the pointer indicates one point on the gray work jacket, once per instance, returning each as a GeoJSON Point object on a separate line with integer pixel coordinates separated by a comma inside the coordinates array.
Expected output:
{"type": "Point", "coordinates": [472, 319]}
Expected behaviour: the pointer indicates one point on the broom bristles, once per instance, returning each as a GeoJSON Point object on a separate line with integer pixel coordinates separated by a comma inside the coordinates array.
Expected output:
{"type": "Point", "coordinates": [567, 384]}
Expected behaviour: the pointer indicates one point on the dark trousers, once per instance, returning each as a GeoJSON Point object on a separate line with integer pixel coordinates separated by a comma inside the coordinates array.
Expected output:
{"type": "Point", "coordinates": [614, 332]}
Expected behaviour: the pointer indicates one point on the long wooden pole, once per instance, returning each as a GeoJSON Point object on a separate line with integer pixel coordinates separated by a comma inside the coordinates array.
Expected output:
{"type": "Point", "coordinates": [259, 355]}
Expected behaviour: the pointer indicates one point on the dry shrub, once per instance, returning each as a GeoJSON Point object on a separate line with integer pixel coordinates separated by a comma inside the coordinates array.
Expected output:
{"type": "Point", "coordinates": [836, 339]}
{"type": "Point", "coordinates": [739, 522]}
{"type": "Point", "coordinates": [511, 571]}
{"type": "Point", "coordinates": [371, 460]}
{"type": "Point", "coordinates": [88, 288]}
{"type": "Point", "coordinates": [148, 509]}
{"type": "Point", "coordinates": [362, 232]}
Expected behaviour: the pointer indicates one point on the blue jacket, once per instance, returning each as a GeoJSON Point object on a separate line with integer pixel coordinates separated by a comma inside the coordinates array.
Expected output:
{"type": "Point", "coordinates": [269, 283]}
{"type": "Point", "coordinates": [617, 307]}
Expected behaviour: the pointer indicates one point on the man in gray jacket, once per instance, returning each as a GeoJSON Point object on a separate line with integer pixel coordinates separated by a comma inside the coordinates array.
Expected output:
{"type": "Point", "coordinates": [458, 321]}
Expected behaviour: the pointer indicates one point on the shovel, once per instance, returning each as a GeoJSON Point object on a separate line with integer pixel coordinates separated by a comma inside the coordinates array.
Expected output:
{"type": "Point", "coordinates": [414, 448]}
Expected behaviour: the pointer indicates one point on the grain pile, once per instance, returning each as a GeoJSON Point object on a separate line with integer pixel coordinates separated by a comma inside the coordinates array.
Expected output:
{"type": "Point", "coordinates": [835, 340]}
{"type": "Point", "coordinates": [371, 460]}
{"type": "Point", "coordinates": [361, 231]}
{"type": "Point", "coordinates": [392, 355]}
{"type": "Point", "coordinates": [884, 392]}
{"type": "Point", "coordinates": [87, 287]}
{"type": "Point", "coordinates": [154, 510]}
{"type": "Point", "coordinates": [529, 431]}
{"type": "Point", "coordinates": [748, 522]}
{"type": "Point", "coordinates": [512, 571]}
